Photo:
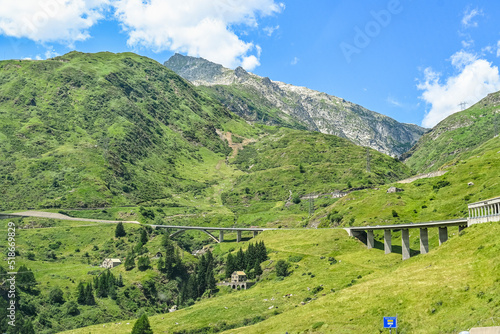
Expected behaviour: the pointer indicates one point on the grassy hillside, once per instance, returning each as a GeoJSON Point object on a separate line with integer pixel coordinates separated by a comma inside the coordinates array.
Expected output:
{"type": "Point", "coordinates": [99, 130]}
{"type": "Point", "coordinates": [437, 198]}
{"type": "Point", "coordinates": [453, 288]}
{"type": "Point", "coordinates": [456, 136]}
{"type": "Point", "coordinates": [286, 164]}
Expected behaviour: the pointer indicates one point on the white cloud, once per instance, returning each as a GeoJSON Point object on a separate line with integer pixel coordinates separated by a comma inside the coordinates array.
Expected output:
{"type": "Point", "coordinates": [469, 15]}
{"type": "Point", "coordinates": [462, 58]}
{"type": "Point", "coordinates": [294, 61]}
{"type": "Point", "coordinates": [475, 79]}
{"type": "Point", "coordinates": [498, 49]}
{"type": "Point", "coordinates": [65, 21]}
{"type": "Point", "coordinates": [270, 30]}
{"type": "Point", "coordinates": [467, 43]}
{"type": "Point", "coordinates": [196, 27]}
{"type": "Point", "coordinates": [391, 100]}
{"type": "Point", "coordinates": [51, 53]}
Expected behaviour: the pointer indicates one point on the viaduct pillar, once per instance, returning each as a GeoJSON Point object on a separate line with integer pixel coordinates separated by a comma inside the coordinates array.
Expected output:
{"type": "Point", "coordinates": [221, 235]}
{"type": "Point", "coordinates": [387, 241]}
{"type": "Point", "coordinates": [405, 243]}
{"type": "Point", "coordinates": [238, 236]}
{"type": "Point", "coordinates": [424, 241]}
{"type": "Point", "coordinates": [370, 241]}
{"type": "Point", "coordinates": [443, 235]}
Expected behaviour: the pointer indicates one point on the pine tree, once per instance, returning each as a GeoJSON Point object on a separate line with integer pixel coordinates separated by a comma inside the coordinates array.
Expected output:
{"type": "Point", "coordinates": [143, 263]}
{"type": "Point", "coordinates": [257, 269]}
{"type": "Point", "coordinates": [169, 265]}
{"type": "Point", "coordinates": [209, 257]}
{"type": "Point", "coordinates": [81, 299]}
{"type": "Point", "coordinates": [248, 271]}
{"type": "Point", "coordinates": [144, 236]}
{"type": "Point", "coordinates": [101, 287]}
{"type": "Point", "coordinates": [250, 255]}
{"type": "Point", "coordinates": [192, 288]}
{"type": "Point", "coordinates": [262, 252]}
{"type": "Point", "coordinates": [89, 295]}
{"type": "Point", "coordinates": [142, 326]}
{"type": "Point", "coordinates": [25, 279]}
{"type": "Point", "coordinates": [138, 248]}
{"type": "Point", "coordinates": [201, 275]}
{"type": "Point", "coordinates": [161, 265]}
{"type": "Point", "coordinates": [130, 261]}
{"type": "Point", "coordinates": [112, 292]}
{"type": "Point", "coordinates": [230, 265]}
{"type": "Point", "coordinates": [120, 280]}
{"type": "Point", "coordinates": [27, 328]}
{"type": "Point", "coordinates": [120, 230]}
{"type": "Point", "coordinates": [210, 278]}
{"type": "Point", "coordinates": [240, 260]}
{"type": "Point", "coordinates": [167, 244]}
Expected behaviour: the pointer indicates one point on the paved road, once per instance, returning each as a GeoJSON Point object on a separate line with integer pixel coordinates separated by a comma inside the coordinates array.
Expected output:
{"type": "Point", "coordinates": [52, 215]}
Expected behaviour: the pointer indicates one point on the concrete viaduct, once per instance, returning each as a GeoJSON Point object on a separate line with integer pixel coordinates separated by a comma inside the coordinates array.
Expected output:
{"type": "Point", "coordinates": [209, 230]}
{"type": "Point", "coordinates": [367, 231]}
{"type": "Point", "coordinates": [181, 229]}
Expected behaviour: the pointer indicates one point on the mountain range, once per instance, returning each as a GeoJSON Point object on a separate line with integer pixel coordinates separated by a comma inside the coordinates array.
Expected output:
{"type": "Point", "coordinates": [262, 100]}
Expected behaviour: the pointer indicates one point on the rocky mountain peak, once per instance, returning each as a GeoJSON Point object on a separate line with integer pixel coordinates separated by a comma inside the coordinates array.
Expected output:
{"type": "Point", "coordinates": [240, 72]}
{"type": "Point", "coordinates": [278, 103]}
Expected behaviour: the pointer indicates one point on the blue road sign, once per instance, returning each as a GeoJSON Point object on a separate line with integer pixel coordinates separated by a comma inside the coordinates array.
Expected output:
{"type": "Point", "coordinates": [390, 322]}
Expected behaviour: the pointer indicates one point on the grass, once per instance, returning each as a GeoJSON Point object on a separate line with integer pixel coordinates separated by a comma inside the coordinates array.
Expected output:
{"type": "Point", "coordinates": [455, 137]}
{"type": "Point", "coordinates": [437, 198]}
{"type": "Point", "coordinates": [453, 288]}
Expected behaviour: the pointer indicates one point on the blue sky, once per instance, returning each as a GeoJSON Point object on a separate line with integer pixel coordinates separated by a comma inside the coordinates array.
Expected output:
{"type": "Point", "coordinates": [415, 61]}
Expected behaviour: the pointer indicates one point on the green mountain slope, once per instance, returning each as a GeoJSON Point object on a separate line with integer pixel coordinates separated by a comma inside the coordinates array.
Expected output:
{"type": "Point", "coordinates": [468, 180]}
{"type": "Point", "coordinates": [455, 136]}
{"type": "Point", "coordinates": [100, 129]}
{"type": "Point", "coordinates": [290, 164]}
{"type": "Point", "coordinates": [106, 130]}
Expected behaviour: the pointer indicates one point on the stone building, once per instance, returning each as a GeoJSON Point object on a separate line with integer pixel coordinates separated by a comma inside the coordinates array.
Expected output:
{"type": "Point", "coordinates": [238, 281]}
{"type": "Point", "coordinates": [111, 263]}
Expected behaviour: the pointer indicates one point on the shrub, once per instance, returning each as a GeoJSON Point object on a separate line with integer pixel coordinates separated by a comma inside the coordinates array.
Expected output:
{"type": "Point", "coordinates": [316, 289]}
{"type": "Point", "coordinates": [142, 326]}
{"type": "Point", "coordinates": [295, 258]}
{"type": "Point", "coordinates": [441, 184]}
{"type": "Point", "coordinates": [394, 214]}
{"type": "Point", "coordinates": [143, 263]}
{"type": "Point", "coordinates": [56, 296]}
{"type": "Point", "coordinates": [317, 325]}
{"type": "Point", "coordinates": [282, 268]}
{"type": "Point", "coordinates": [30, 256]}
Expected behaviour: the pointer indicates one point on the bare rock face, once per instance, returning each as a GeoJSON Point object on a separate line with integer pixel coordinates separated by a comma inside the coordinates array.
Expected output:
{"type": "Point", "coordinates": [312, 110]}
{"type": "Point", "coordinates": [393, 190]}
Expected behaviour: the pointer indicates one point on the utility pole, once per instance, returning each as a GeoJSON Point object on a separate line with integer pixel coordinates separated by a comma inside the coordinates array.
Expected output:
{"type": "Point", "coordinates": [462, 105]}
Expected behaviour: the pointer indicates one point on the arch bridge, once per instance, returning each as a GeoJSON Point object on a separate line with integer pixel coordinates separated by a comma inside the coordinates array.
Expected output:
{"type": "Point", "coordinates": [210, 230]}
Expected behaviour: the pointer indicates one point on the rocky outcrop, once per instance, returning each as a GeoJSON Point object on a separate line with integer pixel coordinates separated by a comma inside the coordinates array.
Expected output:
{"type": "Point", "coordinates": [313, 110]}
